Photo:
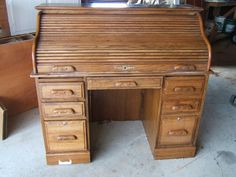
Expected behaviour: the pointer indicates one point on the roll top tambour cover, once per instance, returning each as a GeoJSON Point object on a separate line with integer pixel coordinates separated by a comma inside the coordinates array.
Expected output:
{"type": "Point", "coordinates": [83, 39]}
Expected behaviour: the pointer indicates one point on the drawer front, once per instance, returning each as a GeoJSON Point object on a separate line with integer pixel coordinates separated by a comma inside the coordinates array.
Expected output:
{"type": "Point", "coordinates": [61, 91]}
{"type": "Point", "coordinates": [97, 83]}
{"type": "Point", "coordinates": [184, 86]}
{"type": "Point", "coordinates": [54, 111]}
{"type": "Point", "coordinates": [65, 136]}
{"type": "Point", "coordinates": [122, 68]}
{"type": "Point", "coordinates": [181, 106]}
{"type": "Point", "coordinates": [175, 130]}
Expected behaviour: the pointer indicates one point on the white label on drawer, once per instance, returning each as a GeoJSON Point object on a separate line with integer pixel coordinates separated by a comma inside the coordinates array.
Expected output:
{"type": "Point", "coordinates": [65, 162]}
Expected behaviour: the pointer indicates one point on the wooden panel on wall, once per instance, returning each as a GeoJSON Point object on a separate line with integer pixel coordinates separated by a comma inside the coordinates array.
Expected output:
{"type": "Point", "coordinates": [4, 26]}
{"type": "Point", "coordinates": [17, 91]}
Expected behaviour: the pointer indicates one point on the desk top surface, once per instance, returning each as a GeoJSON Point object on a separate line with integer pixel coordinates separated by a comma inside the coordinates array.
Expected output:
{"type": "Point", "coordinates": [115, 5]}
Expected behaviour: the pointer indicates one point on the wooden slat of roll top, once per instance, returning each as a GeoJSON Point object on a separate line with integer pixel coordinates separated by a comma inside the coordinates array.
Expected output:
{"type": "Point", "coordinates": [112, 18]}
{"type": "Point", "coordinates": [116, 41]}
{"type": "Point", "coordinates": [94, 21]}
{"type": "Point", "coordinates": [89, 57]}
{"type": "Point", "coordinates": [99, 57]}
{"type": "Point", "coordinates": [118, 51]}
{"type": "Point", "coordinates": [121, 55]}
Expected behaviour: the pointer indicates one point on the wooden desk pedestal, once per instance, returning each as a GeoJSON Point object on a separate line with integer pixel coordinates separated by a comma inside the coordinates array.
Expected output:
{"type": "Point", "coordinates": [138, 63]}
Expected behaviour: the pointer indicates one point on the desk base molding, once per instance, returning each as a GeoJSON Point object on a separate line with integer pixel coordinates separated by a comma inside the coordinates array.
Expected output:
{"type": "Point", "coordinates": [68, 158]}
{"type": "Point", "coordinates": [175, 152]}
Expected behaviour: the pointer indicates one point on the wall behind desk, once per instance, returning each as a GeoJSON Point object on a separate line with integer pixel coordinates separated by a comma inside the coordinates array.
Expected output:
{"type": "Point", "coordinates": [17, 89]}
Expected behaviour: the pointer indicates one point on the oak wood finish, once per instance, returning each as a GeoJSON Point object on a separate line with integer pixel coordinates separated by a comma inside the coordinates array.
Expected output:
{"type": "Point", "coordinates": [96, 83]}
{"type": "Point", "coordinates": [120, 64]}
{"type": "Point", "coordinates": [151, 115]}
{"type": "Point", "coordinates": [177, 130]}
{"type": "Point", "coordinates": [63, 136]}
{"type": "Point", "coordinates": [64, 110]}
{"type": "Point", "coordinates": [116, 105]}
{"type": "Point", "coordinates": [62, 91]}
{"type": "Point", "coordinates": [68, 158]}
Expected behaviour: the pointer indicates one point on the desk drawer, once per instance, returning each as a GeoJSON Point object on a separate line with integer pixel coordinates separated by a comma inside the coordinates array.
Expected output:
{"type": "Point", "coordinates": [175, 130]}
{"type": "Point", "coordinates": [65, 136]}
{"type": "Point", "coordinates": [184, 85]}
{"type": "Point", "coordinates": [181, 106]}
{"type": "Point", "coordinates": [61, 91]}
{"type": "Point", "coordinates": [122, 68]}
{"type": "Point", "coordinates": [99, 83]}
{"type": "Point", "coordinates": [65, 110]}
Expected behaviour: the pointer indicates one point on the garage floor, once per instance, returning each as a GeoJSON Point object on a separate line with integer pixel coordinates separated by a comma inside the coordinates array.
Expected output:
{"type": "Point", "coordinates": [121, 148]}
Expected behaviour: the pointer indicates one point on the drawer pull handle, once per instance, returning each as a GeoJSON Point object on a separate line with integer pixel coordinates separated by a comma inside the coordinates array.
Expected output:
{"type": "Point", "coordinates": [126, 84]}
{"type": "Point", "coordinates": [69, 162]}
{"type": "Point", "coordinates": [184, 89]}
{"type": "Point", "coordinates": [182, 107]}
{"type": "Point", "coordinates": [63, 69]}
{"type": "Point", "coordinates": [181, 132]}
{"type": "Point", "coordinates": [66, 137]}
{"type": "Point", "coordinates": [185, 68]}
{"type": "Point", "coordinates": [61, 92]}
{"type": "Point", "coordinates": [63, 111]}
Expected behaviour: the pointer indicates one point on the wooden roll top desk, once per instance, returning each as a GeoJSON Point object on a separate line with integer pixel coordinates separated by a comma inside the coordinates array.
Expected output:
{"type": "Point", "coordinates": [158, 55]}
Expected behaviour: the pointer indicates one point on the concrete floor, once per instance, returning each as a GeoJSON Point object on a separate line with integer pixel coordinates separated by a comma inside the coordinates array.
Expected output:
{"type": "Point", "coordinates": [122, 150]}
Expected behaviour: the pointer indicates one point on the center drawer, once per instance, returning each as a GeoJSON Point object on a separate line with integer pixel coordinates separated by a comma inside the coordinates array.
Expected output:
{"type": "Point", "coordinates": [100, 83]}
{"type": "Point", "coordinates": [63, 110]}
{"type": "Point", "coordinates": [65, 136]}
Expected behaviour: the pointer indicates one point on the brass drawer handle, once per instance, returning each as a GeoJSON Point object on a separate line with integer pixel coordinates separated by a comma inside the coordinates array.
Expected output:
{"type": "Point", "coordinates": [182, 107]}
{"type": "Point", "coordinates": [61, 92]}
{"type": "Point", "coordinates": [181, 132]}
{"type": "Point", "coordinates": [66, 137]}
{"type": "Point", "coordinates": [184, 89]}
{"type": "Point", "coordinates": [63, 111]}
{"type": "Point", "coordinates": [126, 84]}
{"type": "Point", "coordinates": [185, 68]}
{"type": "Point", "coordinates": [63, 69]}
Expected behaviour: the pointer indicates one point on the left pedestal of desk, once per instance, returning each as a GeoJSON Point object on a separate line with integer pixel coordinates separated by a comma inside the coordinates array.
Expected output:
{"type": "Point", "coordinates": [64, 118]}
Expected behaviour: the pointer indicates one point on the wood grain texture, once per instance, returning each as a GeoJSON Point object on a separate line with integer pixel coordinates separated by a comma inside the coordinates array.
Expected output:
{"type": "Point", "coordinates": [63, 110]}
{"type": "Point", "coordinates": [17, 89]}
{"type": "Point", "coordinates": [151, 112]}
{"type": "Point", "coordinates": [72, 91]}
{"type": "Point", "coordinates": [123, 64]}
{"type": "Point", "coordinates": [177, 130]}
{"type": "Point", "coordinates": [182, 86]}
{"type": "Point", "coordinates": [97, 83]}
{"type": "Point", "coordinates": [174, 152]}
{"type": "Point", "coordinates": [118, 38]}
{"type": "Point", "coordinates": [116, 105]}
{"type": "Point", "coordinates": [71, 157]}
{"type": "Point", "coordinates": [65, 136]}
